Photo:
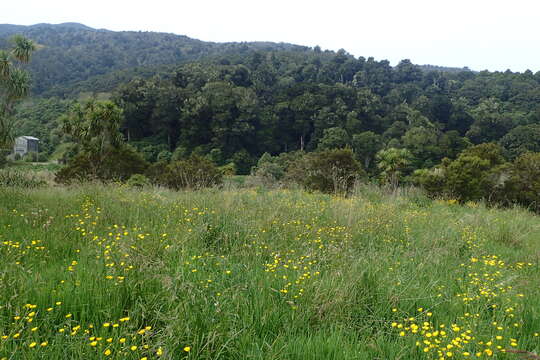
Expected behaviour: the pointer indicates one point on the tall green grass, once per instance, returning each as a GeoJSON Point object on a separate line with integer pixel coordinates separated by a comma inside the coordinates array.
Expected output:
{"type": "Point", "coordinates": [256, 274]}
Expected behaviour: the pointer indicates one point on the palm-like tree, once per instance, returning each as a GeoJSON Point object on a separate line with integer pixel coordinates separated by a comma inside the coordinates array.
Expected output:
{"type": "Point", "coordinates": [392, 162]}
{"type": "Point", "coordinates": [14, 83]}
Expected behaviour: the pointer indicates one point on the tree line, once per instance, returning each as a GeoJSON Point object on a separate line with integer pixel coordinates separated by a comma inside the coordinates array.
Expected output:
{"type": "Point", "coordinates": [232, 109]}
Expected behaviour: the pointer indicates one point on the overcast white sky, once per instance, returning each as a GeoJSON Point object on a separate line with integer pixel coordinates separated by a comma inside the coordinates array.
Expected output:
{"type": "Point", "coordinates": [481, 34]}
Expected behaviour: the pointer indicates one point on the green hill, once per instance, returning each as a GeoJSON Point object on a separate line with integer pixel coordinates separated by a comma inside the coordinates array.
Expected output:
{"type": "Point", "coordinates": [70, 53]}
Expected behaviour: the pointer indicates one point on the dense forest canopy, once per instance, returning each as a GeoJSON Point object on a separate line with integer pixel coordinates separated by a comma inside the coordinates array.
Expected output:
{"type": "Point", "coordinates": [233, 102]}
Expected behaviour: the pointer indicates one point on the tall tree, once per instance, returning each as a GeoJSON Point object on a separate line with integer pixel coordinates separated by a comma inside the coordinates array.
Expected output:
{"type": "Point", "coordinates": [14, 83]}
{"type": "Point", "coordinates": [102, 153]}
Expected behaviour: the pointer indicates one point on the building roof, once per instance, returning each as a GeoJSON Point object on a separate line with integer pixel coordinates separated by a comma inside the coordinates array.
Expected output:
{"type": "Point", "coordinates": [29, 137]}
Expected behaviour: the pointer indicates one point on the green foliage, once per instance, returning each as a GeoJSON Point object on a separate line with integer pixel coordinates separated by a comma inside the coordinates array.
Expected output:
{"type": "Point", "coordinates": [423, 143]}
{"type": "Point", "coordinates": [272, 170]}
{"type": "Point", "coordinates": [78, 58]}
{"type": "Point", "coordinates": [34, 157]}
{"type": "Point", "coordinates": [393, 164]}
{"type": "Point", "coordinates": [469, 178]}
{"type": "Point", "coordinates": [365, 146]}
{"type": "Point", "coordinates": [328, 171]}
{"type": "Point", "coordinates": [522, 184]}
{"type": "Point", "coordinates": [234, 102]}
{"type": "Point", "coordinates": [228, 169]}
{"type": "Point", "coordinates": [193, 173]}
{"type": "Point", "coordinates": [243, 162]}
{"type": "Point", "coordinates": [179, 153]}
{"type": "Point", "coordinates": [40, 118]}
{"type": "Point", "coordinates": [490, 124]}
{"type": "Point", "coordinates": [20, 179]}
{"type": "Point", "coordinates": [102, 154]}
{"type": "Point", "coordinates": [14, 84]}
{"type": "Point", "coordinates": [3, 157]}
{"type": "Point", "coordinates": [164, 155]}
{"type": "Point", "coordinates": [269, 170]}
{"type": "Point", "coordinates": [491, 152]}
{"type": "Point", "coordinates": [521, 139]}
{"type": "Point", "coordinates": [334, 138]}
{"type": "Point", "coordinates": [94, 125]}
{"type": "Point", "coordinates": [138, 181]}
{"type": "Point", "coordinates": [114, 164]}
{"type": "Point", "coordinates": [157, 173]}
{"type": "Point", "coordinates": [151, 152]}
{"type": "Point", "coordinates": [476, 174]}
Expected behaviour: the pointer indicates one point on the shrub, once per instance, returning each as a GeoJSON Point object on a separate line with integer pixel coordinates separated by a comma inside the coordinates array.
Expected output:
{"type": "Point", "coordinates": [194, 173]}
{"type": "Point", "coordinates": [16, 178]}
{"type": "Point", "coordinates": [523, 183]}
{"type": "Point", "coordinates": [243, 162]}
{"type": "Point", "coordinates": [164, 155]}
{"type": "Point", "coordinates": [116, 164]}
{"type": "Point", "coordinates": [431, 180]}
{"type": "Point", "coordinates": [329, 171]}
{"type": "Point", "coordinates": [470, 178]}
{"type": "Point", "coordinates": [31, 157]}
{"type": "Point", "coordinates": [269, 173]}
{"type": "Point", "coordinates": [3, 157]}
{"type": "Point", "coordinates": [476, 174]}
{"type": "Point", "coordinates": [488, 151]}
{"type": "Point", "coordinates": [138, 180]}
{"type": "Point", "coordinates": [228, 169]}
{"type": "Point", "coordinates": [150, 153]}
{"type": "Point", "coordinates": [179, 153]}
{"type": "Point", "coordinates": [156, 173]}
{"type": "Point", "coordinates": [271, 170]}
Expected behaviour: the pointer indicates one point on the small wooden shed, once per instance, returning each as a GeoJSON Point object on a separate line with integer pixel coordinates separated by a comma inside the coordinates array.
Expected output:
{"type": "Point", "coordinates": [25, 144]}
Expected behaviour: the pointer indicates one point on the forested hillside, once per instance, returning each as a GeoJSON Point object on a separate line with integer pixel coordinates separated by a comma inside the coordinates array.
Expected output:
{"type": "Point", "coordinates": [231, 103]}
{"type": "Point", "coordinates": [240, 106]}
{"type": "Point", "coordinates": [70, 53]}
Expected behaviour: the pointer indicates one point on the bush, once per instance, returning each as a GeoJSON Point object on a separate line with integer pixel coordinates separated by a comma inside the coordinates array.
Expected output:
{"type": "Point", "coordinates": [138, 180]}
{"type": "Point", "coordinates": [431, 180]}
{"type": "Point", "coordinates": [269, 173]}
{"type": "Point", "coordinates": [164, 155]}
{"type": "Point", "coordinates": [523, 183]}
{"type": "Point", "coordinates": [194, 173]}
{"type": "Point", "coordinates": [470, 178]}
{"type": "Point", "coordinates": [30, 157]}
{"type": "Point", "coordinates": [476, 174]}
{"type": "Point", "coordinates": [150, 153]}
{"type": "Point", "coordinates": [3, 157]}
{"type": "Point", "coordinates": [15, 178]}
{"type": "Point", "coordinates": [271, 170]}
{"type": "Point", "coordinates": [156, 173]}
{"type": "Point", "coordinates": [329, 171]}
{"type": "Point", "coordinates": [117, 164]}
{"type": "Point", "coordinates": [228, 170]}
{"type": "Point", "coordinates": [243, 162]}
{"type": "Point", "coordinates": [179, 153]}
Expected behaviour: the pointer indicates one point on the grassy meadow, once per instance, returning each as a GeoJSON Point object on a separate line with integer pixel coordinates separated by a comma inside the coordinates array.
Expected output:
{"type": "Point", "coordinates": [109, 272]}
